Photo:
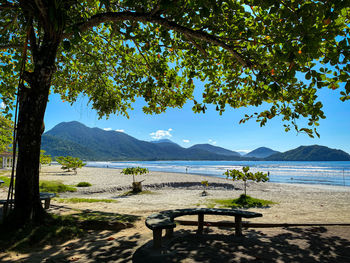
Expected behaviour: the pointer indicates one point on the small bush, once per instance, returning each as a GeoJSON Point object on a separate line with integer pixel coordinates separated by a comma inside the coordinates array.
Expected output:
{"type": "Point", "coordinates": [244, 201]}
{"type": "Point", "coordinates": [84, 184]}
{"type": "Point", "coordinates": [55, 187]}
{"type": "Point", "coordinates": [6, 180]}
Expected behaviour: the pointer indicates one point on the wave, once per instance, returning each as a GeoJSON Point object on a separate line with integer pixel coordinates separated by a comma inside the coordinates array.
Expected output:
{"type": "Point", "coordinates": [334, 173]}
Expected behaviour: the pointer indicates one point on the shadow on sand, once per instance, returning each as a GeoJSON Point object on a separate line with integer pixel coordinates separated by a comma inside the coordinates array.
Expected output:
{"type": "Point", "coordinates": [312, 244]}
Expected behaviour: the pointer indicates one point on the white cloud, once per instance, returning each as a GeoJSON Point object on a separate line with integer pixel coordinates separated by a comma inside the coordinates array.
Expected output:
{"type": "Point", "coordinates": [212, 141]}
{"type": "Point", "coordinates": [160, 134]}
{"type": "Point", "coordinates": [107, 129]}
{"type": "Point", "coordinates": [186, 141]}
{"type": "Point", "coordinates": [120, 130]}
{"type": "Point", "coordinates": [2, 105]}
{"type": "Point", "coordinates": [243, 151]}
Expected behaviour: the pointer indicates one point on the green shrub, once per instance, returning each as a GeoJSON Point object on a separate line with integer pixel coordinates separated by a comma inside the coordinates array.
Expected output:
{"type": "Point", "coordinates": [6, 180]}
{"type": "Point", "coordinates": [244, 201]}
{"type": "Point", "coordinates": [83, 184]}
{"type": "Point", "coordinates": [69, 162]}
{"type": "Point", "coordinates": [55, 187]}
{"type": "Point", "coordinates": [45, 159]}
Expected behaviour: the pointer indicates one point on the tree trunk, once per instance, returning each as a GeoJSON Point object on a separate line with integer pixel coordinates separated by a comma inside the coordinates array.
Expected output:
{"type": "Point", "coordinates": [30, 120]}
{"type": "Point", "coordinates": [32, 106]}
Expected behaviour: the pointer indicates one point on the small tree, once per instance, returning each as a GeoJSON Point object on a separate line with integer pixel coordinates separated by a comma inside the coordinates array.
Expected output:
{"type": "Point", "coordinates": [246, 175]}
{"type": "Point", "coordinates": [44, 158]}
{"type": "Point", "coordinates": [205, 185]}
{"type": "Point", "coordinates": [6, 130]}
{"type": "Point", "coordinates": [136, 186]}
{"type": "Point", "coordinates": [69, 162]}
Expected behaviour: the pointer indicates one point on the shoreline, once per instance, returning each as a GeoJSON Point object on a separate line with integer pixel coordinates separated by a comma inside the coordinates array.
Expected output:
{"type": "Point", "coordinates": [296, 203]}
{"type": "Point", "coordinates": [203, 176]}
{"type": "Point", "coordinates": [291, 181]}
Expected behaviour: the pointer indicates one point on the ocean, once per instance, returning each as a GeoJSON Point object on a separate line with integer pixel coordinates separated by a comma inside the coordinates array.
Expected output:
{"type": "Point", "coordinates": [329, 173]}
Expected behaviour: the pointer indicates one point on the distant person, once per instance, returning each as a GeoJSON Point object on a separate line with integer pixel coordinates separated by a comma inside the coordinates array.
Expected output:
{"type": "Point", "coordinates": [186, 169]}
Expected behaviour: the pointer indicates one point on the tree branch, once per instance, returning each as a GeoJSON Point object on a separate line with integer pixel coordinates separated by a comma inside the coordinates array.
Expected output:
{"type": "Point", "coordinates": [33, 44]}
{"type": "Point", "coordinates": [199, 47]}
{"type": "Point", "coordinates": [149, 18]}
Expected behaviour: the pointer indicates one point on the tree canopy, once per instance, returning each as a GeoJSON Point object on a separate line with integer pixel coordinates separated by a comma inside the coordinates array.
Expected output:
{"type": "Point", "coordinates": [6, 131]}
{"type": "Point", "coordinates": [247, 52]}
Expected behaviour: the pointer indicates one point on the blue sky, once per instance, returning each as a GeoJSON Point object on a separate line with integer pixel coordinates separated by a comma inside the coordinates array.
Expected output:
{"type": "Point", "coordinates": [186, 128]}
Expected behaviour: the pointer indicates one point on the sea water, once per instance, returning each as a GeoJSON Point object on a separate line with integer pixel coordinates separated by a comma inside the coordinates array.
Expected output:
{"type": "Point", "coordinates": [330, 173]}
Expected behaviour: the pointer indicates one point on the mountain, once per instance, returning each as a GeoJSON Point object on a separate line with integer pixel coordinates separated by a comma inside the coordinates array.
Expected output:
{"type": "Point", "coordinates": [311, 153]}
{"type": "Point", "coordinates": [75, 139]}
{"type": "Point", "coordinates": [95, 144]}
{"type": "Point", "coordinates": [215, 149]}
{"type": "Point", "coordinates": [163, 141]}
{"type": "Point", "coordinates": [261, 152]}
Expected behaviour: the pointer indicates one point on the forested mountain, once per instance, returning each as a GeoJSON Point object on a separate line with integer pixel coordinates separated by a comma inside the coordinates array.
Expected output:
{"type": "Point", "coordinates": [261, 152]}
{"type": "Point", "coordinates": [215, 149]}
{"type": "Point", "coordinates": [95, 144]}
{"type": "Point", "coordinates": [74, 138]}
{"type": "Point", "coordinates": [311, 153]}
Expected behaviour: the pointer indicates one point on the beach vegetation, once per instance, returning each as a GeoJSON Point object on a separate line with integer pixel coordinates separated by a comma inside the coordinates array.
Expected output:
{"type": "Point", "coordinates": [6, 131]}
{"type": "Point", "coordinates": [70, 163]}
{"type": "Point", "coordinates": [84, 184]}
{"type": "Point", "coordinates": [136, 186]}
{"type": "Point", "coordinates": [283, 57]}
{"type": "Point", "coordinates": [75, 200]}
{"type": "Point", "coordinates": [45, 159]}
{"type": "Point", "coordinates": [55, 187]}
{"type": "Point", "coordinates": [245, 176]}
{"type": "Point", "coordinates": [205, 185]}
{"type": "Point", "coordinates": [6, 180]}
{"type": "Point", "coordinates": [244, 201]}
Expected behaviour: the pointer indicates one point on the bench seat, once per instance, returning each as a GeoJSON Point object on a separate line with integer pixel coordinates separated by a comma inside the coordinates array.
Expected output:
{"type": "Point", "coordinates": [46, 197]}
{"type": "Point", "coordinates": [165, 220]}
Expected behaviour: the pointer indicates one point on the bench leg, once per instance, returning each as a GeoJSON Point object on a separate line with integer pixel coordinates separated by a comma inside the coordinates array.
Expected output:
{"type": "Point", "coordinates": [169, 232]}
{"type": "Point", "coordinates": [238, 226]}
{"type": "Point", "coordinates": [200, 223]}
{"type": "Point", "coordinates": [47, 203]}
{"type": "Point", "coordinates": [157, 238]}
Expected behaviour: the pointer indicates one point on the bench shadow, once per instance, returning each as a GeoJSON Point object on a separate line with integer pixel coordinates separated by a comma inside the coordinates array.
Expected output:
{"type": "Point", "coordinates": [298, 244]}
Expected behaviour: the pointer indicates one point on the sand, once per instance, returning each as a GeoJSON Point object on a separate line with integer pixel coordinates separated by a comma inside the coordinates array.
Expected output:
{"type": "Point", "coordinates": [296, 203]}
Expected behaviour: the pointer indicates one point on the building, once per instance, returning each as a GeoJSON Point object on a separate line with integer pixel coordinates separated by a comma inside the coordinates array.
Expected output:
{"type": "Point", "coordinates": [7, 160]}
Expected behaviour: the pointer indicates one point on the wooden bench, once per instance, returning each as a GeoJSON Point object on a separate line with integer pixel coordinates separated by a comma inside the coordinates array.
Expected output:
{"type": "Point", "coordinates": [165, 220]}
{"type": "Point", "coordinates": [46, 197]}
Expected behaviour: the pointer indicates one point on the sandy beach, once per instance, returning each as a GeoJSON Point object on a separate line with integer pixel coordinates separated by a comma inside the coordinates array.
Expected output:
{"type": "Point", "coordinates": [295, 203]}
